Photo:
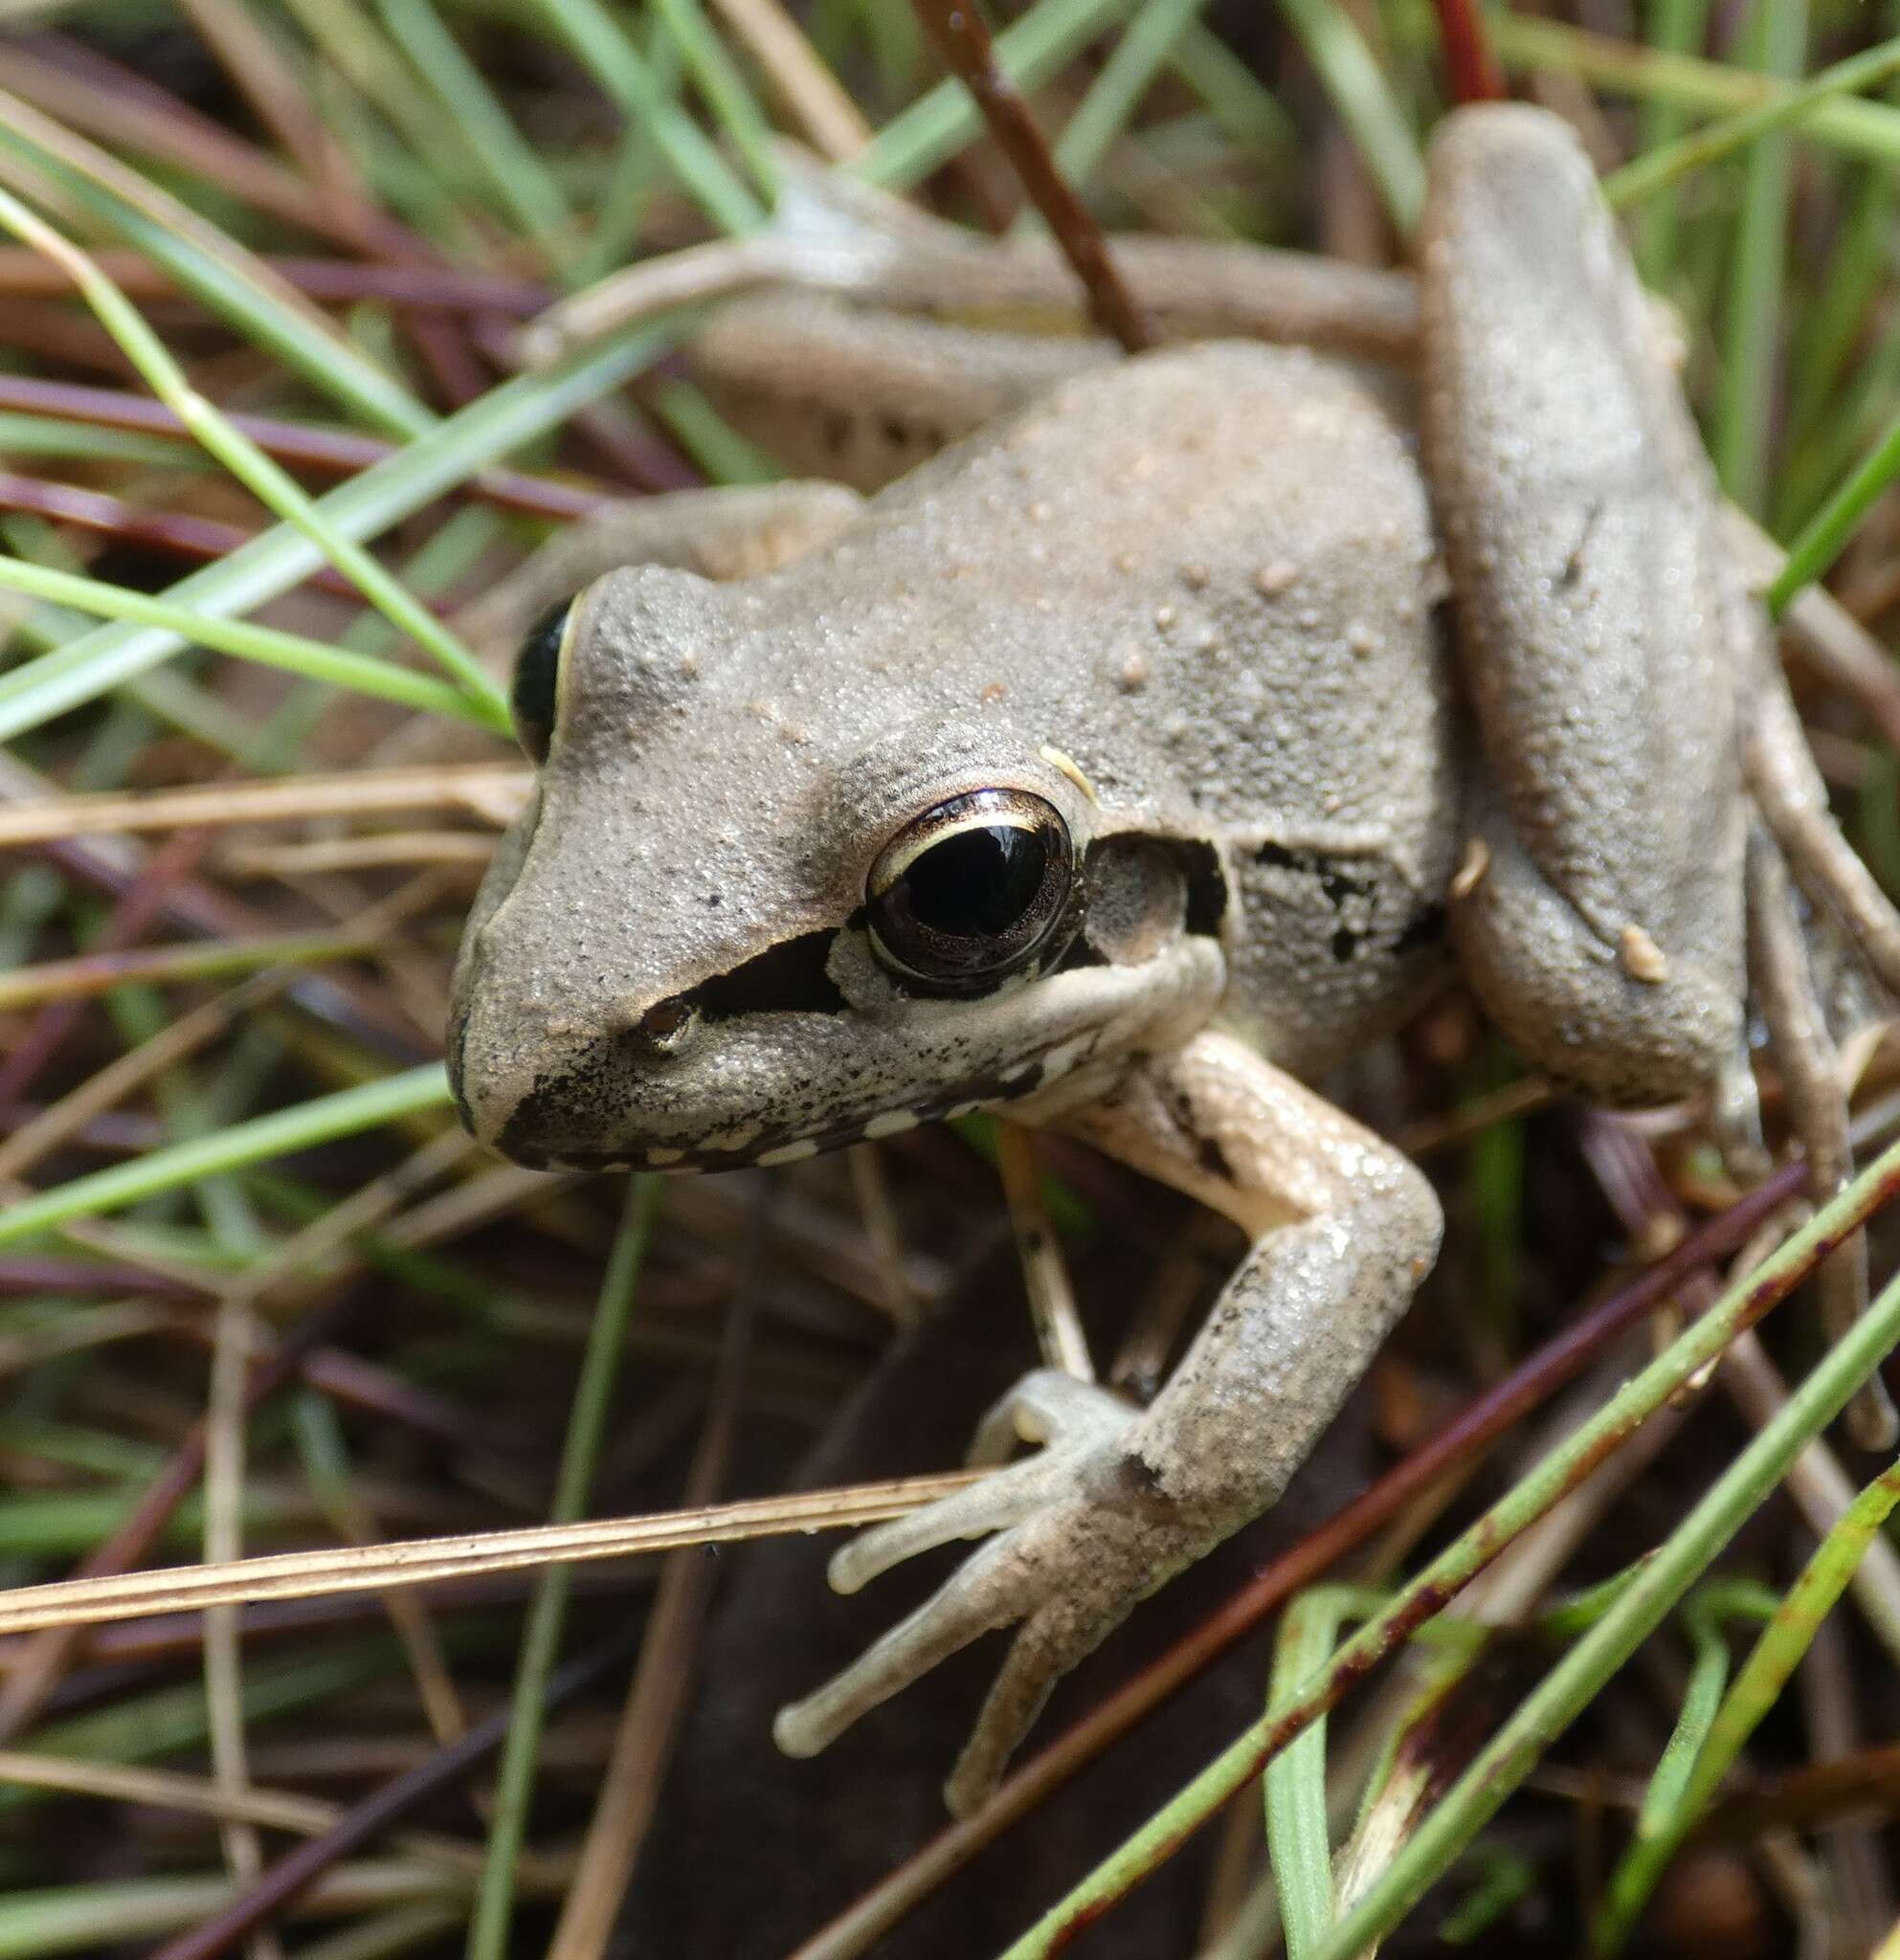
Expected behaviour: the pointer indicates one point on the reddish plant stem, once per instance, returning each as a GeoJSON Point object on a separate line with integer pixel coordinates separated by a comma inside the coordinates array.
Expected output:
{"type": "Point", "coordinates": [1560, 1360]}
{"type": "Point", "coordinates": [176, 533]}
{"type": "Point", "coordinates": [29, 1273]}
{"type": "Point", "coordinates": [46, 1657]}
{"type": "Point", "coordinates": [334, 452]}
{"type": "Point", "coordinates": [297, 1870]}
{"type": "Point", "coordinates": [1471, 67]}
{"type": "Point", "coordinates": [116, 104]}
{"type": "Point", "coordinates": [963, 40]}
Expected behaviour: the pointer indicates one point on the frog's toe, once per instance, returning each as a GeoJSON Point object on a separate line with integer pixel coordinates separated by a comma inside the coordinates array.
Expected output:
{"type": "Point", "coordinates": [979, 1598]}
{"type": "Point", "coordinates": [1071, 1419]}
{"type": "Point", "coordinates": [1004, 1498]}
{"type": "Point", "coordinates": [1048, 1406]}
{"type": "Point", "coordinates": [1046, 1648]}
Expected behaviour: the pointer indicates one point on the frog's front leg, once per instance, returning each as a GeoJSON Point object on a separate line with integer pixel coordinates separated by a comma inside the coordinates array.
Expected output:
{"type": "Point", "coordinates": [1344, 1228]}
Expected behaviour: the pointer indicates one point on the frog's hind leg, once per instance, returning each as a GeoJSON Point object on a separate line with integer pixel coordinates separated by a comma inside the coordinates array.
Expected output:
{"type": "Point", "coordinates": [1599, 913]}
{"type": "Point", "coordinates": [1612, 909]}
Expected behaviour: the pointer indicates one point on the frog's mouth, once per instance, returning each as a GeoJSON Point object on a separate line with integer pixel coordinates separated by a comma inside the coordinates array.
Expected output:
{"type": "Point", "coordinates": [747, 1145]}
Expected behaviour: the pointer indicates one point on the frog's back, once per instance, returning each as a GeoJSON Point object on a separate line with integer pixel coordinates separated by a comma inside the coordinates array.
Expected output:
{"type": "Point", "coordinates": [1209, 576]}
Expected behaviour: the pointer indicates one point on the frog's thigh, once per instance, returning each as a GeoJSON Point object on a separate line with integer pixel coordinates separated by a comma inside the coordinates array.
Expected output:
{"type": "Point", "coordinates": [1602, 624]}
{"type": "Point", "coordinates": [723, 533]}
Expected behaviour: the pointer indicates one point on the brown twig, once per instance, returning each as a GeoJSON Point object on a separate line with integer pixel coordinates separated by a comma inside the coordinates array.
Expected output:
{"type": "Point", "coordinates": [42, 1662]}
{"type": "Point", "coordinates": [1474, 1429]}
{"type": "Point", "coordinates": [1805, 1799]}
{"type": "Point", "coordinates": [963, 40]}
{"type": "Point", "coordinates": [284, 1882]}
{"type": "Point", "coordinates": [493, 792]}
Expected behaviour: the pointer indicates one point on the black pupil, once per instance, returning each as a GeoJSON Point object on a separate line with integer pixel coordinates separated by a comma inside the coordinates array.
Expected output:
{"type": "Point", "coordinates": [977, 883]}
{"type": "Point", "coordinates": [537, 674]}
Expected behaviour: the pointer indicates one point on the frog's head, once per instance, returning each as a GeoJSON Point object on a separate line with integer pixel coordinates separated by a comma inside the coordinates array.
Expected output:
{"type": "Point", "coordinates": [779, 890]}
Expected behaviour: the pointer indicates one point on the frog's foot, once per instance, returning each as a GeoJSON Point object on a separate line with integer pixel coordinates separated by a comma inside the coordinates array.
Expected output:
{"type": "Point", "coordinates": [1082, 1537]}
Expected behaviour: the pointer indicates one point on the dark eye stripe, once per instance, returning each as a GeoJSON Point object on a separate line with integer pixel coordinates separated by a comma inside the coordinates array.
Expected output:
{"type": "Point", "coordinates": [789, 979]}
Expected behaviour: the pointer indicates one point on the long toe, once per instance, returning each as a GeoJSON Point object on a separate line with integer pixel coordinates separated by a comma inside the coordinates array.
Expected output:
{"type": "Point", "coordinates": [981, 1595]}
{"type": "Point", "coordinates": [1004, 1498]}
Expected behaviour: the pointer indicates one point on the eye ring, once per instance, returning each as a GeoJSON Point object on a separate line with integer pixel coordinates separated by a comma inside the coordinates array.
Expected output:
{"type": "Point", "coordinates": [534, 693]}
{"type": "Point", "coordinates": [976, 888]}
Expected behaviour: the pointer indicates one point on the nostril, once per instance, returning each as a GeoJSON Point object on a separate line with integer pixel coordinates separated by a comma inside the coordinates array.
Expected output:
{"type": "Point", "coordinates": [670, 1025]}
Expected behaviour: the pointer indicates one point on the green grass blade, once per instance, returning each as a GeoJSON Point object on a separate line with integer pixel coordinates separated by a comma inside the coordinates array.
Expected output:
{"type": "Point", "coordinates": [1126, 76]}
{"type": "Point", "coordinates": [1676, 27]}
{"type": "Point", "coordinates": [524, 187]}
{"type": "Point", "coordinates": [1825, 537]}
{"type": "Point", "coordinates": [1740, 439]}
{"type": "Point", "coordinates": [1708, 1676]}
{"type": "Point", "coordinates": [1366, 104]}
{"type": "Point", "coordinates": [1297, 1838]}
{"type": "Point", "coordinates": [940, 124]}
{"type": "Point", "coordinates": [489, 1929]}
{"type": "Point", "coordinates": [1580, 1677]}
{"type": "Point", "coordinates": [1658, 169]}
{"type": "Point", "coordinates": [216, 271]}
{"type": "Point", "coordinates": [519, 411]}
{"type": "Point", "coordinates": [244, 640]}
{"type": "Point", "coordinates": [346, 1113]}
{"type": "Point", "coordinates": [1792, 1625]}
{"type": "Point", "coordinates": [257, 471]}
{"type": "Point", "coordinates": [1454, 1567]}
{"type": "Point", "coordinates": [603, 44]}
{"type": "Point", "coordinates": [723, 88]}
{"type": "Point", "coordinates": [1645, 74]}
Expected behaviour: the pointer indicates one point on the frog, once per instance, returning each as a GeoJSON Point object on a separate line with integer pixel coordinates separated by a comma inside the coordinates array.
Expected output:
{"type": "Point", "coordinates": [1127, 766]}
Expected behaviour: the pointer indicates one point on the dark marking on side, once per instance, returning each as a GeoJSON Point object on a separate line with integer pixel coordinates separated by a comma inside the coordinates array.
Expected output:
{"type": "Point", "coordinates": [1337, 884]}
{"type": "Point", "coordinates": [1426, 927]}
{"type": "Point", "coordinates": [1206, 886]}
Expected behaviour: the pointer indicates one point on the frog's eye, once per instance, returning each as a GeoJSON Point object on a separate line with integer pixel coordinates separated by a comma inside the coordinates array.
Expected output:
{"type": "Point", "coordinates": [537, 680]}
{"type": "Point", "coordinates": [973, 889]}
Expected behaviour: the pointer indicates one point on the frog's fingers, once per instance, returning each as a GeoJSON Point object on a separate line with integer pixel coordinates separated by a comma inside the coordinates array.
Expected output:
{"type": "Point", "coordinates": [1004, 1498]}
{"type": "Point", "coordinates": [1047, 1406]}
{"type": "Point", "coordinates": [1047, 1646]}
{"type": "Point", "coordinates": [1788, 790]}
{"type": "Point", "coordinates": [981, 1597]}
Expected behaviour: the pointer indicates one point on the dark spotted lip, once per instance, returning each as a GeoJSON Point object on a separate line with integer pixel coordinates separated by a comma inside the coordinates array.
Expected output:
{"type": "Point", "coordinates": [770, 1148]}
